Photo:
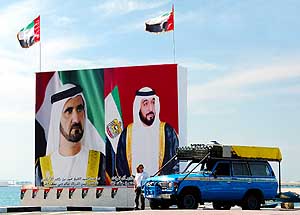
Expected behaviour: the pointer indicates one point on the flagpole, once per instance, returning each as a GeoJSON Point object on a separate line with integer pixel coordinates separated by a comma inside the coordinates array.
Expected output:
{"type": "Point", "coordinates": [40, 46]}
{"type": "Point", "coordinates": [174, 55]}
{"type": "Point", "coordinates": [40, 57]}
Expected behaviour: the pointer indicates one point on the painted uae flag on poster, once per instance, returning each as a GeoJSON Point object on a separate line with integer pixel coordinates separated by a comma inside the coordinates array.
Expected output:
{"type": "Point", "coordinates": [113, 117]}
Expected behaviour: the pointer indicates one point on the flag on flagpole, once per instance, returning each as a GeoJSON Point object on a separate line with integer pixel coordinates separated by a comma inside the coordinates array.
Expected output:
{"type": "Point", "coordinates": [30, 34]}
{"type": "Point", "coordinates": [163, 23]}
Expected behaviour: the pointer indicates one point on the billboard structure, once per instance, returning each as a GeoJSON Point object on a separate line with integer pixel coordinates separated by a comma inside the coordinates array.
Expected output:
{"type": "Point", "coordinates": [92, 125]}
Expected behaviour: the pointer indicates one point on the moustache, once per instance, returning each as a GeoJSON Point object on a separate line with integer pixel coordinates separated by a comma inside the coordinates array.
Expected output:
{"type": "Point", "coordinates": [77, 127]}
{"type": "Point", "coordinates": [150, 113]}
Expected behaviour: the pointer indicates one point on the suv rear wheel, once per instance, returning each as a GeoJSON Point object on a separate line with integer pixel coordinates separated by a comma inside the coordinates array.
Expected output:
{"type": "Point", "coordinates": [251, 202]}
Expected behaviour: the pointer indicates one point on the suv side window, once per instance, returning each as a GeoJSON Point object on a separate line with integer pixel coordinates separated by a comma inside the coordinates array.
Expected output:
{"type": "Point", "coordinates": [222, 169]}
{"type": "Point", "coordinates": [260, 169]}
{"type": "Point", "coordinates": [240, 169]}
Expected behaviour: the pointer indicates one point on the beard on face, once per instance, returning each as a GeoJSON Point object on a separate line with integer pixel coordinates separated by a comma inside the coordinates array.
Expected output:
{"type": "Point", "coordinates": [145, 120]}
{"type": "Point", "coordinates": [75, 134]}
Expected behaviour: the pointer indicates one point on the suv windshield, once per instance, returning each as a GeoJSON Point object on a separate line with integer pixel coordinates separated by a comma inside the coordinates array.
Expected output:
{"type": "Point", "coordinates": [203, 167]}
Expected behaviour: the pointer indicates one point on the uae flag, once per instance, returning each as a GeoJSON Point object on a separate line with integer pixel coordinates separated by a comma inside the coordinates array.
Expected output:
{"type": "Point", "coordinates": [163, 23]}
{"type": "Point", "coordinates": [30, 34]}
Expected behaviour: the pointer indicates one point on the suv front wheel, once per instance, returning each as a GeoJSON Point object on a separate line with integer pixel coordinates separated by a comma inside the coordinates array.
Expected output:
{"type": "Point", "coordinates": [158, 204]}
{"type": "Point", "coordinates": [188, 201]}
{"type": "Point", "coordinates": [153, 204]}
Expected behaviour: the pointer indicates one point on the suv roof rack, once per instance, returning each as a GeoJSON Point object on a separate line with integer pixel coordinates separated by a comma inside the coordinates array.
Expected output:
{"type": "Point", "coordinates": [199, 151]}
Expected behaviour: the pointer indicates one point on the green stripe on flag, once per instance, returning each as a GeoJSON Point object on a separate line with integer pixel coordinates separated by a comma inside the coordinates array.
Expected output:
{"type": "Point", "coordinates": [116, 97]}
{"type": "Point", "coordinates": [31, 25]}
{"type": "Point", "coordinates": [92, 83]}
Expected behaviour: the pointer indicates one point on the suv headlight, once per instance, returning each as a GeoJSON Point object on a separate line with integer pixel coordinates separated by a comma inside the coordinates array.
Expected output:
{"type": "Point", "coordinates": [150, 184]}
{"type": "Point", "coordinates": [165, 184]}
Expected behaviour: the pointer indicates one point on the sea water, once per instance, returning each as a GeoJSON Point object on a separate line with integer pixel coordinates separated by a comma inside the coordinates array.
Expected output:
{"type": "Point", "coordinates": [10, 196]}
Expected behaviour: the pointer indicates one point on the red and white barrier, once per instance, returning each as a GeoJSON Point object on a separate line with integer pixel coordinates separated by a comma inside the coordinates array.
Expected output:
{"type": "Point", "coordinates": [107, 196]}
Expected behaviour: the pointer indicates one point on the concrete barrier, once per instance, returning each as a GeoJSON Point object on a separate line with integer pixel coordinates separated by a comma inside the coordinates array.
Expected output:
{"type": "Point", "coordinates": [102, 197]}
{"type": "Point", "coordinates": [59, 209]}
{"type": "Point", "coordinates": [53, 208]}
{"type": "Point", "coordinates": [3, 210]}
{"type": "Point", "coordinates": [104, 209]}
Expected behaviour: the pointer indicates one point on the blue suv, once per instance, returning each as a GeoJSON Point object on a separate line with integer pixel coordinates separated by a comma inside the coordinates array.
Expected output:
{"type": "Point", "coordinates": [216, 174]}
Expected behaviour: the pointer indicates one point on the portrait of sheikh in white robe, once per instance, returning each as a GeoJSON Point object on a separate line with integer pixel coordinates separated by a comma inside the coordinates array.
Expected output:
{"type": "Point", "coordinates": [147, 140]}
{"type": "Point", "coordinates": [73, 156]}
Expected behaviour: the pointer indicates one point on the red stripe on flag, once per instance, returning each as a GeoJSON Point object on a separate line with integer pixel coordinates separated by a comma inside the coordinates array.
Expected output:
{"type": "Point", "coordinates": [37, 35]}
{"type": "Point", "coordinates": [171, 21]}
{"type": "Point", "coordinates": [42, 80]}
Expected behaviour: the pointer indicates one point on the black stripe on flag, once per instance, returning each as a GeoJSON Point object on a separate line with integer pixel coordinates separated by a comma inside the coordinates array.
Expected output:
{"type": "Point", "coordinates": [157, 28]}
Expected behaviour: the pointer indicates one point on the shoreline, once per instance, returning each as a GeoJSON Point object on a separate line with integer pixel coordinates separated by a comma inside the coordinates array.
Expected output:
{"type": "Point", "coordinates": [291, 189]}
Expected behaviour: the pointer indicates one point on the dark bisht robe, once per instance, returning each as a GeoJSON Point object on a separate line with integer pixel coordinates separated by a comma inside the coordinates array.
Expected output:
{"type": "Point", "coordinates": [171, 144]}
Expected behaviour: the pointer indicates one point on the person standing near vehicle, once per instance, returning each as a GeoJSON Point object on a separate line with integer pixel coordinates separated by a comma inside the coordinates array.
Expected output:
{"type": "Point", "coordinates": [138, 184]}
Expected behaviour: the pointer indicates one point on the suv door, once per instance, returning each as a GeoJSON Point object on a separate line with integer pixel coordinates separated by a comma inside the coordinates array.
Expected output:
{"type": "Point", "coordinates": [241, 179]}
{"type": "Point", "coordinates": [263, 178]}
{"type": "Point", "coordinates": [219, 184]}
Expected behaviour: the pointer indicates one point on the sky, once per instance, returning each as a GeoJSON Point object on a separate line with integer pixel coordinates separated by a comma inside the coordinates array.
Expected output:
{"type": "Point", "coordinates": [242, 57]}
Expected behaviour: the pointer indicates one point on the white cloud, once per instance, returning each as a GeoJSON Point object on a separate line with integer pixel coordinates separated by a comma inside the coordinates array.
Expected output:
{"type": "Point", "coordinates": [190, 16]}
{"type": "Point", "coordinates": [290, 90]}
{"type": "Point", "coordinates": [213, 110]}
{"type": "Point", "coordinates": [134, 26]}
{"type": "Point", "coordinates": [233, 85]}
{"type": "Point", "coordinates": [120, 7]}
{"type": "Point", "coordinates": [198, 65]}
{"type": "Point", "coordinates": [15, 16]}
{"type": "Point", "coordinates": [12, 116]}
{"type": "Point", "coordinates": [58, 46]}
{"type": "Point", "coordinates": [68, 63]}
{"type": "Point", "coordinates": [9, 64]}
{"type": "Point", "coordinates": [17, 95]}
{"type": "Point", "coordinates": [62, 21]}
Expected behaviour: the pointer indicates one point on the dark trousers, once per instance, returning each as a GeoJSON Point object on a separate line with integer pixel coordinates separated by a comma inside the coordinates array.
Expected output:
{"type": "Point", "coordinates": [138, 194]}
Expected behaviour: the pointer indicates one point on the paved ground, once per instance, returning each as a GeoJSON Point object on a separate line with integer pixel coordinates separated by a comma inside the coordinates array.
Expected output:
{"type": "Point", "coordinates": [200, 211]}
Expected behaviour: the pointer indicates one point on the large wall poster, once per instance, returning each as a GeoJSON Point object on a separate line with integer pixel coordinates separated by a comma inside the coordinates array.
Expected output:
{"type": "Point", "coordinates": [92, 125]}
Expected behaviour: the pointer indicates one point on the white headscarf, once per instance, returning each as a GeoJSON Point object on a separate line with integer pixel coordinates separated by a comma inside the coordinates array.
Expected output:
{"type": "Point", "coordinates": [145, 139]}
{"type": "Point", "coordinates": [137, 106]}
{"type": "Point", "coordinates": [91, 140]}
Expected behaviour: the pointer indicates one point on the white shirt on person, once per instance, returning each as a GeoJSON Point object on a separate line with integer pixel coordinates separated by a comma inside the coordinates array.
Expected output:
{"type": "Point", "coordinates": [140, 177]}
